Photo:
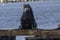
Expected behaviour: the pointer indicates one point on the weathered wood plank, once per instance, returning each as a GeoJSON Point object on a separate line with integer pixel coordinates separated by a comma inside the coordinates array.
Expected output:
{"type": "Point", "coordinates": [29, 32]}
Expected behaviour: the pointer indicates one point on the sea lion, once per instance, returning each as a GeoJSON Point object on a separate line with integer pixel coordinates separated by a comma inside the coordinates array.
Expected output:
{"type": "Point", "coordinates": [27, 18]}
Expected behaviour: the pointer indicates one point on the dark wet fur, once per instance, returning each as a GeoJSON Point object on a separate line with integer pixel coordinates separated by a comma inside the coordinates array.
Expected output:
{"type": "Point", "coordinates": [27, 19]}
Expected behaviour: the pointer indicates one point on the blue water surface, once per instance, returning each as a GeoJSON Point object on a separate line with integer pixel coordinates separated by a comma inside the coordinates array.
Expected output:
{"type": "Point", "coordinates": [46, 13]}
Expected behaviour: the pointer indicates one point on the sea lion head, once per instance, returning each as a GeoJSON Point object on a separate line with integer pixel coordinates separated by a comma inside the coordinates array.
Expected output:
{"type": "Point", "coordinates": [27, 7]}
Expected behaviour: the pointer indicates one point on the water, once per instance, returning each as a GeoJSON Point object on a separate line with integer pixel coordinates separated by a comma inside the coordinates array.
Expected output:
{"type": "Point", "coordinates": [46, 13]}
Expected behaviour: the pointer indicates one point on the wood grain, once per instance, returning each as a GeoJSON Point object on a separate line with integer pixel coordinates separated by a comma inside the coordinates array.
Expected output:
{"type": "Point", "coordinates": [31, 32]}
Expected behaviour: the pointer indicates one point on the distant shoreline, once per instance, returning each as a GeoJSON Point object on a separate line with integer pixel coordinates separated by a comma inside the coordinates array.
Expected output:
{"type": "Point", "coordinates": [6, 1]}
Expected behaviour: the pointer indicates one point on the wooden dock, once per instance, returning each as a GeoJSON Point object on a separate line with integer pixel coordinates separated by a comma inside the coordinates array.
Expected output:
{"type": "Point", "coordinates": [29, 32]}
